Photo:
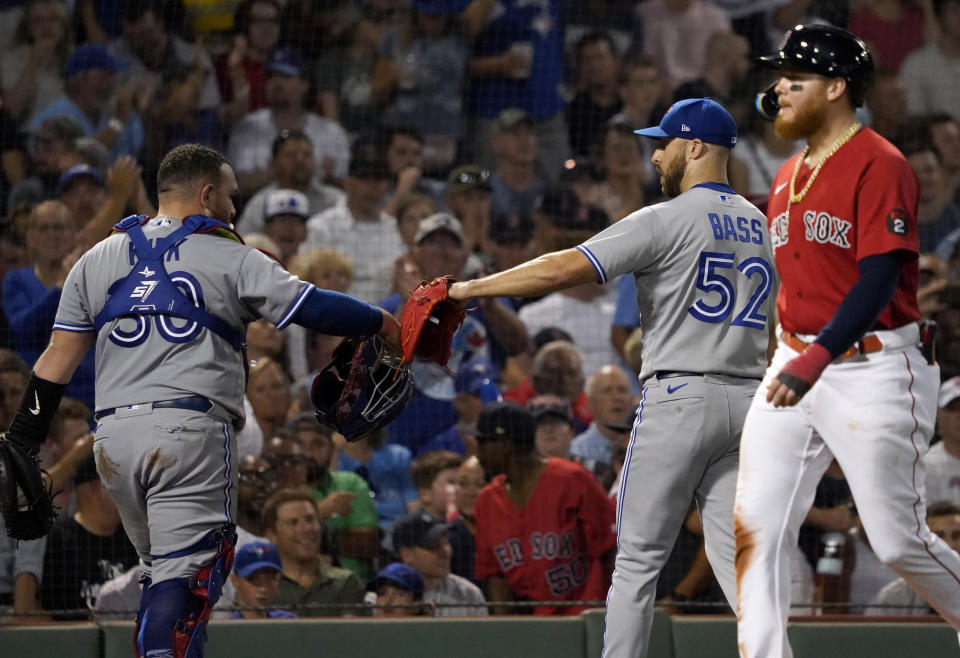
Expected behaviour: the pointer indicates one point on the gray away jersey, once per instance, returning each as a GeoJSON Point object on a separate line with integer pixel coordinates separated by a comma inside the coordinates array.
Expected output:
{"type": "Point", "coordinates": [706, 283]}
{"type": "Point", "coordinates": [152, 358]}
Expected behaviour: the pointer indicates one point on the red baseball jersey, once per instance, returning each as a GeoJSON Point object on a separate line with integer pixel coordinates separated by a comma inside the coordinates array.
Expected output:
{"type": "Point", "coordinates": [548, 549]}
{"type": "Point", "coordinates": [863, 203]}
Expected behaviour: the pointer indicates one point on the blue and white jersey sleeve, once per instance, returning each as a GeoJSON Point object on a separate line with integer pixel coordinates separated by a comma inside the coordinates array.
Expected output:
{"type": "Point", "coordinates": [269, 290]}
{"type": "Point", "coordinates": [74, 313]}
{"type": "Point", "coordinates": [633, 244]}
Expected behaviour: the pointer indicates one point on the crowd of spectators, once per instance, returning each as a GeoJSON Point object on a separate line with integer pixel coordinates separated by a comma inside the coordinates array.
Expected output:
{"type": "Point", "coordinates": [378, 143]}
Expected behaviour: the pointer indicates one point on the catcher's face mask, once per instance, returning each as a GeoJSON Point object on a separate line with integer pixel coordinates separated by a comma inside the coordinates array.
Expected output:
{"type": "Point", "coordinates": [363, 388]}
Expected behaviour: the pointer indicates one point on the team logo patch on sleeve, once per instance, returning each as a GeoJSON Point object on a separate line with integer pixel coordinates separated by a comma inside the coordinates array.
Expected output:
{"type": "Point", "coordinates": [897, 221]}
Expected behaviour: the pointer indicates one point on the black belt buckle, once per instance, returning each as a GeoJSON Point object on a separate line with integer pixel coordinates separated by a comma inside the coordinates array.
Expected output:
{"type": "Point", "coordinates": [669, 374]}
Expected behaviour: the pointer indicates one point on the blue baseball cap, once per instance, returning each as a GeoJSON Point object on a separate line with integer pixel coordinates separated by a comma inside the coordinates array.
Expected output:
{"type": "Point", "coordinates": [78, 171]}
{"type": "Point", "coordinates": [91, 57]}
{"type": "Point", "coordinates": [478, 377]}
{"type": "Point", "coordinates": [696, 118]}
{"type": "Point", "coordinates": [403, 576]}
{"type": "Point", "coordinates": [254, 556]}
{"type": "Point", "coordinates": [286, 61]}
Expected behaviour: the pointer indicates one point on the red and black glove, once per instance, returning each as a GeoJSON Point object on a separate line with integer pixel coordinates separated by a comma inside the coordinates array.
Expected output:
{"type": "Point", "coordinates": [429, 321]}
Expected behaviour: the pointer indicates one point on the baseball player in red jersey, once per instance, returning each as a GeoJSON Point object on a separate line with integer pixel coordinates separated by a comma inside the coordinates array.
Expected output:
{"type": "Point", "coordinates": [545, 528]}
{"type": "Point", "coordinates": [849, 379]}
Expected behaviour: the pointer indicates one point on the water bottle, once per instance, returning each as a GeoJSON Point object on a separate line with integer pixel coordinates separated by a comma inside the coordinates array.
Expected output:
{"type": "Point", "coordinates": [830, 562]}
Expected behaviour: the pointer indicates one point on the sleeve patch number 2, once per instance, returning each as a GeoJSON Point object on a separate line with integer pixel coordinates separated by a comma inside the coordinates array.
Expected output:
{"type": "Point", "coordinates": [712, 281]}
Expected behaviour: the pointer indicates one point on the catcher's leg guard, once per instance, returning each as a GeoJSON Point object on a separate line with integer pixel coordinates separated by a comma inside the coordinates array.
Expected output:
{"type": "Point", "coordinates": [174, 613]}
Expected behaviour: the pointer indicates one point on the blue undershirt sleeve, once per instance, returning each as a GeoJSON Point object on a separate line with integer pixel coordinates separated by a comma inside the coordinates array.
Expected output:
{"type": "Point", "coordinates": [865, 301]}
{"type": "Point", "coordinates": [336, 314]}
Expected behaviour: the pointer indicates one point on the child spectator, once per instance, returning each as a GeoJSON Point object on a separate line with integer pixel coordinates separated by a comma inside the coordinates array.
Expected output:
{"type": "Point", "coordinates": [399, 585]}
{"type": "Point", "coordinates": [434, 474]}
{"type": "Point", "coordinates": [256, 577]}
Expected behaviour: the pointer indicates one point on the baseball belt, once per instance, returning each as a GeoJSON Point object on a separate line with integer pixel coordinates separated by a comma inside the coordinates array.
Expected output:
{"type": "Point", "coordinates": [866, 345]}
{"type": "Point", "coordinates": [193, 402]}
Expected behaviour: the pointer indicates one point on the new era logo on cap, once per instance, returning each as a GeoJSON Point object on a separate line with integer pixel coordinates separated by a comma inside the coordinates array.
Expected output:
{"type": "Point", "coordinates": [684, 128]}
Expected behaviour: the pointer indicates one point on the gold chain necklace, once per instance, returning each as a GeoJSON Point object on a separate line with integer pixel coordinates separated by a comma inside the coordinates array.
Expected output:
{"type": "Point", "coordinates": [843, 139]}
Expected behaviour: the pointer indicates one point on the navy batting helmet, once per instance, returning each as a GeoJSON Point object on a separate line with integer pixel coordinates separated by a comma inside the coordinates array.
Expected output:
{"type": "Point", "coordinates": [828, 51]}
{"type": "Point", "coordinates": [365, 386]}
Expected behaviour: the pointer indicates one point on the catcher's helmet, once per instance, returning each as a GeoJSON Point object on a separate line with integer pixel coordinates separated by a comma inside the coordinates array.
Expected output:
{"type": "Point", "coordinates": [365, 386]}
{"type": "Point", "coordinates": [829, 51]}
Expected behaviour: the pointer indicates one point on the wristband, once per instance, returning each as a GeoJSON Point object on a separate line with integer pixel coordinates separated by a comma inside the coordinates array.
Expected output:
{"type": "Point", "coordinates": [803, 371]}
{"type": "Point", "coordinates": [32, 420]}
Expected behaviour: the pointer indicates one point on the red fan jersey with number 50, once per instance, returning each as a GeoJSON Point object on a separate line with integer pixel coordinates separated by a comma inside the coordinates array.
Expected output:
{"type": "Point", "coordinates": [548, 550]}
{"type": "Point", "coordinates": [819, 242]}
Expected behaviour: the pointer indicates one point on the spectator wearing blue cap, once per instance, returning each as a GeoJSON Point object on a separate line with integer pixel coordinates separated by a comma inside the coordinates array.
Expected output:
{"type": "Point", "coordinates": [399, 585]}
{"type": "Point", "coordinates": [249, 149]}
{"type": "Point", "coordinates": [475, 384]}
{"type": "Point", "coordinates": [92, 99]}
{"type": "Point", "coordinates": [256, 577]}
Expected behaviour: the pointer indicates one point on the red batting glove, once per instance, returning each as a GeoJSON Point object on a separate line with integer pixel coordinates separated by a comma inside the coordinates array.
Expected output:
{"type": "Point", "coordinates": [803, 371]}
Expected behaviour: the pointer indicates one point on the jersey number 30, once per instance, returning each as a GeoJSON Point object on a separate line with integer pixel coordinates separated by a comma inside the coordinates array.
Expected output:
{"type": "Point", "coordinates": [713, 282]}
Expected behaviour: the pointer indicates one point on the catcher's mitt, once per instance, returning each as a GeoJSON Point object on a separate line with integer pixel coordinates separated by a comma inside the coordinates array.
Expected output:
{"type": "Point", "coordinates": [429, 321]}
{"type": "Point", "coordinates": [26, 501]}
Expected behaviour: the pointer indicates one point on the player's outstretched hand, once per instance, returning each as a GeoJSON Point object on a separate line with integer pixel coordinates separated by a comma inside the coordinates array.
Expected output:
{"type": "Point", "coordinates": [390, 329]}
{"type": "Point", "coordinates": [798, 376]}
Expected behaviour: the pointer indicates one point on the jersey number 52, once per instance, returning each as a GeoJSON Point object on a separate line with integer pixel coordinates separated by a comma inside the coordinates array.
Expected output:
{"type": "Point", "coordinates": [713, 281]}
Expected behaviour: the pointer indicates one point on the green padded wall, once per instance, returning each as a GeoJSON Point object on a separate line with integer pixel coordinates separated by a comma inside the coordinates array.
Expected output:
{"type": "Point", "coordinates": [661, 639]}
{"type": "Point", "coordinates": [858, 640]}
{"type": "Point", "coordinates": [74, 640]}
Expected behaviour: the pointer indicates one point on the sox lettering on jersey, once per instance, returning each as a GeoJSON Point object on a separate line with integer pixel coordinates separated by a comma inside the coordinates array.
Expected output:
{"type": "Point", "coordinates": [543, 546]}
{"type": "Point", "coordinates": [824, 228]}
{"type": "Point", "coordinates": [779, 230]}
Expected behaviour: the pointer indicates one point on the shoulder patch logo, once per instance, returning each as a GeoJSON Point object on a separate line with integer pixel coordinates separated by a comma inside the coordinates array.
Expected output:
{"type": "Point", "coordinates": [897, 221]}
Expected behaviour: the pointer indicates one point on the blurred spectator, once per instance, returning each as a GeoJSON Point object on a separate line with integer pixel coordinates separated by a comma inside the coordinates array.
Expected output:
{"type": "Point", "coordinates": [937, 214]}
{"type": "Point", "coordinates": [240, 72]}
{"type": "Point", "coordinates": [285, 221]}
{"type": "Point", "coordinates": [411, 209]}
{"type": "Point", "coordinates": [627, 175]}
{"type": "Point", "coordinates": [84, 551]}
{"type": "Point", "coordinates": [403, 152]}
{"type": "Point", "coordinates": [30, 72]}
{"type": "Point", "coordinates": [91, 81]}
{"type": "Point", "coordinates": [434, 474]}
{"type": "Point", "coordinates": [13, 256]}
{"type": "Point", "coordinates": [555, 430]}
{"type": "Point", "coordinates": [763, 151]}
{"type": "Point", "coordinates": [252, 137]}
{"type": "Point", "coordinates": [469, 199]}
{"type": "Point", "coordinates": [517, 62]}
{"type": "Point", "coordinates": [359, 229]}
{"type": "Point", "coordinates": [616, 17]}
{"type": "Point", "coordinates": [21, 570]}
{"type": "Point", "coordinates": [421, 542]}
{"type": "Point", "coordinates": [264, 340]}
{"type": "Point", "coordinates": [489, 325]}
{"type": "Point", "coordinates": [598, 98]}
{"type": "Point", "coordinates": [119, 597]}
{"type": "Point", "coordinates": [386, 469]}
{"type": "Point", "coordinates": [724, 70]}
{"type": "Point", "coordinates": [892, 29]}
{"type": "Point", "coordinates": [344, 501]}
{"type": "Point", "coordinates": [14, 374]}
{"type": "Point", "coordinates": [942, 461]}
{"type": "Point", "coordinates": [268, 393]}
{"type": "Point", "coordinates": [255, 482]}
{"type": "Point", "coordinates": [309, 586]}
{"type": "Point", "coordinates": [420, 78]}
{"type": "Point", "coordinates": [31, 294]}
{"type": "Point", "coordinates": [344, 73]}
{"type": "Point", "coordinates": [307, 351]}
{"type": "Point", "coordinates": [69, 442]}
{"type": "Point", "coordinates": [948, 337]}
{"type": "Point", "coordinates": [175, 78]}
{"type": "Point", "coordinates": [291, 167]}
{"type": "Point", "coordinates": [515, 184]}
{"type": "Point", "coordinates": [256, 577]}
{"type": "Point", "coordinates": [945, 135]}
{"type": "Point", "coordinates": [83, 190]}
{"type": "Point", "coordinates": [898, 598]}
{"type": "Point", "coordinates": [474, 385]}
{"type": "Point", "coordinates": [564, 220]}
{"type": "Point", "coordinates": [399, 585]}
{"type": "Point", "coordinates": [609, 397]}
{"type": "Point", "coordinates": [468, 485]}
{"type": "Point", "coordinates": [52, 150]}
{"type": "Point", "coordinates": [284, 452]}
{"type": "Point", "coordinates": [925, 70]}
{"type": "Point", "coordinates": [676, 34]}
{"type": "Point", "coordinates": [552, 518]}
{"type": "Point", "coordinates": [557, 370]}
{"type": "Point", "coordinates": [510, 240]}
{"type": "Point", "coordinates": [887, 102]}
